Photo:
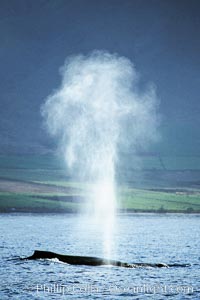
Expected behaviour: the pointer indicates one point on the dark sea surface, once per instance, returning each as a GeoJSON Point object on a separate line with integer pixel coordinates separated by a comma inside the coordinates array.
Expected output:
{"type": "Point", "coordinates": [151, 238]}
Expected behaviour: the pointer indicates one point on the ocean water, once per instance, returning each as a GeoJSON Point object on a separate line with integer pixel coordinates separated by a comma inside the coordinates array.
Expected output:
{"type": "Point", "coordinates": [148, 238]}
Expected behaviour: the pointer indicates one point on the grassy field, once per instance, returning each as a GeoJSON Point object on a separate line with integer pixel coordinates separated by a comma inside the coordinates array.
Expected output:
{"type": "Point", "coordinates": [41, 184]}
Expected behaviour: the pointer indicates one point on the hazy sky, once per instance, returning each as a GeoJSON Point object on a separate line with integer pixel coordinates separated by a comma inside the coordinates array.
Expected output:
{"type": "Point", "coordinates": [161, 37]}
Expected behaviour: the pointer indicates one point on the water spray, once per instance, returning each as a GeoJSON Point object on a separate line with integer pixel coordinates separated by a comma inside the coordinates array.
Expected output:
{"type": "Point", "coordinates": [97, 111]}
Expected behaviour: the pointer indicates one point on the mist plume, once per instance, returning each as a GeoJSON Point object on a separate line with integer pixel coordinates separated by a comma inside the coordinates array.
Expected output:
{"type": "Point", "coordinates": [97, 111]}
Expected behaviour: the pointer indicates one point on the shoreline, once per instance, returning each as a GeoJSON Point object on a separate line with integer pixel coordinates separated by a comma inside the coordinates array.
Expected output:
{"type": "Point", "coordinates": [73, 212]}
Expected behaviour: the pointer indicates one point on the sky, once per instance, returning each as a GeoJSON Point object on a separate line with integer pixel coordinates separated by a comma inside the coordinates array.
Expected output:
{"type": "Point", "coordinates": [161, 37]}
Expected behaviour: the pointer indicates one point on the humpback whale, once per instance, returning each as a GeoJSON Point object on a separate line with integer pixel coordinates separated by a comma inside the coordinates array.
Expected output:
{"type": "Point", "coordinates": [89, 260]}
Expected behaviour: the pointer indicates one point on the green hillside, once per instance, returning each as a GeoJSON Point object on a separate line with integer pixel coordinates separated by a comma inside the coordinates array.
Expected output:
{"type": "Point", "coordinates": [42, 184]}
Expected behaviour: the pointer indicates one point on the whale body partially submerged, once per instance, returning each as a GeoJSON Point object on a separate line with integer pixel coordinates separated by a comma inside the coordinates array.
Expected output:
{"type": "Point", "coordinates": [89, 260]}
